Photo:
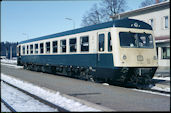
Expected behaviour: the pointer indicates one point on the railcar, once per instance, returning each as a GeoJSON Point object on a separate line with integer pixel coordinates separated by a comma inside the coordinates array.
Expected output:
{"type": "Point", "coordinates": [122, 51]}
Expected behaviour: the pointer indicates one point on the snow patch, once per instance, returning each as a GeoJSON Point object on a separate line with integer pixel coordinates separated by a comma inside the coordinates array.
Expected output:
{"type": "Point", "coordinates": [162, 78]}
{"type": "Point", "coordinates": [105, 84]}
{"type": "Point", "coordinates": [12, 65]}
{"type": "Point", "coordinates": [12, 61]}
{"type": "Point", "coordinates": [52, 96]}
{"type": "Point", "coordinates": [22, 102]}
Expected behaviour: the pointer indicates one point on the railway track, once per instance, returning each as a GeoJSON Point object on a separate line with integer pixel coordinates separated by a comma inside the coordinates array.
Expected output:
{"type": "Point", "coordinates": [8, 106]}
{"type": "Point", "coordinates": [158, 91]}
{"type": "Point", "coordinates": [60, 109]}
{"type": "Point", "coordinates": [142, 88]}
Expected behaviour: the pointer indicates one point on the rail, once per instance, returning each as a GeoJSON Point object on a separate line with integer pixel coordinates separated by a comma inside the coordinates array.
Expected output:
{"type": "Point", "coordinates": [60, 109]}
{"type": "Point", "coordinates": [8, 106]}
{"type": "Point", "coordinates": [158, 91]}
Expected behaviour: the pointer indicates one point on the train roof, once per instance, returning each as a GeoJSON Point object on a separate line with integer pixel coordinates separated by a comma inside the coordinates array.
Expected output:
{"type": "Point", "coordinates": [124, 23]}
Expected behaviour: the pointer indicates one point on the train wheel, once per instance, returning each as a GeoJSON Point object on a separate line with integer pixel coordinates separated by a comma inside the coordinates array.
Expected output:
{"type": "Point", "coordinates": [43, 69]}
{"type": "Point", "coordinates": [25, 66]}
{"type": "Point", "coordinates": [90, 78]}
{"type": "Point", "coordinates": [36, 68]}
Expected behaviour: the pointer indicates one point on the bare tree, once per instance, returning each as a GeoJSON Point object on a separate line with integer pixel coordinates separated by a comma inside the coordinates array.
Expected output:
{"type": "Point", "coordinates": [150, 2]}
{"type": "Point", "coordinates": [93, 16]}
{"type": "Point", "coordinates": [113, 7]}
{"type": "Point", "coordinates": [107, 9]}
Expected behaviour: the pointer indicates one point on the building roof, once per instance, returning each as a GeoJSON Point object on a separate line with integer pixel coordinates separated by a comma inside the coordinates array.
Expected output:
{"type": "Point", "coordinates": [149, 8]}
{"type": "Point", "coordinates": [126, 23]}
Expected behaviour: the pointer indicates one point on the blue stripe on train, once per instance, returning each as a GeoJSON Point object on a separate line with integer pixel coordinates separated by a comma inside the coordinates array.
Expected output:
{"type": "Point", "coordinates": [105, 60]}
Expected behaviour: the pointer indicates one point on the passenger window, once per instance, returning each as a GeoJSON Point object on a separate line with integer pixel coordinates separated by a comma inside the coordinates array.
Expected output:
{"type": "Point", "coordinates": [47, 47]}
{"type": "Point", "coordinates": [23, 50]}
{"type": "Point", "coordinates": [55, 46]}
{"type": "Point", "coordinates": [109, 42]}
{"type": "Point", "coordinates": [63, 46]}
{"type": "Point", "coordinates": [41, 48]}
{"type": "Point", "coordinates": [27, 49]}
{"type": "Point", "coordinates": [72, 43]}
{"type": "Point", "coordinates": [31, 49]}
{"type": "Point", "coordinates": [101, 42]}
{"type": "Point", "coordinates": [85, 43]}
{"type": "Point", "coordinates": [36, 48]}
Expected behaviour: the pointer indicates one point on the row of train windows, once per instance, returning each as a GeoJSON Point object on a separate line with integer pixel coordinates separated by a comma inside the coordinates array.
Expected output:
{"type": "Point", "coordinates": [72, 43]}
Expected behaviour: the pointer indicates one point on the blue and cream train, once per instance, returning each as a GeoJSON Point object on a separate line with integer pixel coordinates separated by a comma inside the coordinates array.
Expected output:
{"type": "Point", "coordinates": [121, 50]}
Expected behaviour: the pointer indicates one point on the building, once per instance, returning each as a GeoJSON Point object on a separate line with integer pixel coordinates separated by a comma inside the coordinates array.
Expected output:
{"type": "Point", "coordinates": [158, 16]}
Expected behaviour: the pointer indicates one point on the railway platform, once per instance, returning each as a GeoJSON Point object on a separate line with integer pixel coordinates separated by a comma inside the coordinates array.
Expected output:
{"type": "Point", "coordinates": [163, 72]}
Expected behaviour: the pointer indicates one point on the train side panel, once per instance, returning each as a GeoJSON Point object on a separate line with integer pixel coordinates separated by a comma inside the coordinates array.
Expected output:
{"type": "Point", "coordinates": [85, 60]}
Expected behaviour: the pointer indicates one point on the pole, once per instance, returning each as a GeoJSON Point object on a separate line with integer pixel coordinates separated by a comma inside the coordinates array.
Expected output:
{"type": "Point", "coordinates": [72, 21]}
{"type": "Point", "coordinates": [6, 52]}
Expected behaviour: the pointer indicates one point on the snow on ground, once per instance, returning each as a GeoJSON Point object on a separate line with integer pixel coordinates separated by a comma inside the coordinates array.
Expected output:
{"type": "Point", "coordinates": [162, 88]}
{"type": "Point", "coordinates": [52, 96]}
{"type": "Point", "coordinates": [151, 92]}
{"type": "Point", "coordinates": [159, 87]}
{"type": "Point", "coordinates": [12, 65]}
{"type": "Point", "coordinates": [13, 61]}
{"type": "Point", "coordinates": [4, 108]}
{"type": "Point", "coordinates": [22, 102]}
{"type": "Point", "coordinates": [162, 78]}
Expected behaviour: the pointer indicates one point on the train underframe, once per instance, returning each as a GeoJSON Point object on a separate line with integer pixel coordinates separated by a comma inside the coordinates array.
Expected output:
{"type": "Point", "coordinates": [137, 77]}
{"type": "Point", "coordinates": [126, 76]}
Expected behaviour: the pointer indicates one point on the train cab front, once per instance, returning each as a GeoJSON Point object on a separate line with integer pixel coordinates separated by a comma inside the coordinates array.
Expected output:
{"type": "Point", "coordinates": [136, 55]}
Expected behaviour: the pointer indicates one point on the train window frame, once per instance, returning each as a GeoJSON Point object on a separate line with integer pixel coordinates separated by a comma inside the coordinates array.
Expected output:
{"type": "Point", "coordinates": [138, 43]}
{"type": "Point", "coordinates": [63, 47]}
{"type": "Point", "coordinates": [165, 52]}
{"type": "Point", "coordinates": [101, 42]}
{"type": "Point", "coordinates": [31, 48]}
{"type": "Point", "coordinates": [27, 49]}
{"type": "Point", "coordinates": [42, 48]}
{"type": "Point", "coordinates": [151, 22]}
{"type": "Point", "coordinates": [19, 50]}
{"type": "Point", "coordinates": [166, 22]}
{"type": "Point", "coordinates": [23, 49]}
{"type": "Point", "coordinates": [109, 42]}
{"type": "Point", "coordinates": [36, 48]}
{"type": "Point", "coordinates": [55, 47]}
{"type": "Point", "coordinates": [73, 46]}
{"type": "Point", "coordinates": [86, 44]}
{"type": "Point", "coordinates": [48, 48]}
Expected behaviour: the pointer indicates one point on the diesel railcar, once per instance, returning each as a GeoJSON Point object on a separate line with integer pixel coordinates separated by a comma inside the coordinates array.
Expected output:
{"type": "Point", "coordinates": [122, 51]}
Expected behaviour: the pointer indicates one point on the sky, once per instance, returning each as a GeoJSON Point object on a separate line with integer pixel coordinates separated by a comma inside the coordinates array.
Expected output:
{"type": "Point", "coordinates": [22, 20]}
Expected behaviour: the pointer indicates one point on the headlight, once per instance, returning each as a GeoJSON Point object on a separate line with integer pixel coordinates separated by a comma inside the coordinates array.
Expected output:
{"type": "Point", "coordinates": [124, 57]}
{"type": "Point", "coordinates": [140, 58]}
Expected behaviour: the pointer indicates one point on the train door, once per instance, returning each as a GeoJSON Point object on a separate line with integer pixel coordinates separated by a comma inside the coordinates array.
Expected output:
{"type": "Point", "coordinates": [19, 55]}
{"type": "Point", "coordinates": [101, 47]}
{"type": "Point", "coordinates": [19, 51]}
